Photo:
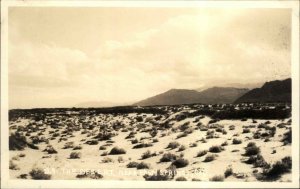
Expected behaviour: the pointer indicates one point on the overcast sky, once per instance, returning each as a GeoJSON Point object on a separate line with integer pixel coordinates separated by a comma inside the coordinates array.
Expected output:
{"type": "Point", "coordinates": [60, 57]}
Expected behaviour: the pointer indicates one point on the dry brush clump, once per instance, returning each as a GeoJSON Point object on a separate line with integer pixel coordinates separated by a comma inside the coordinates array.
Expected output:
{"type": "Point", "coordinates": [236, 141]}
{"type": "Point", "coordinates": [173, 145]}
{"type": "Point", "coordinates": [201, 153]}
{"type": "Point", "coordinates": [116, 151]}
{"type": "Point", "coordinates": [148, 154]}
{"type": "Point", "coordinates": [158, 176]}
{"type": "Point", "coordinates": [287, 137]}
{"type": "Point", "coordinates": [216, 149]}
{"type": "Point", "coordinates": [228, 172]}
{"type": "Point", "coordinates": [90, 174]}
{"type": "Point", "coordinates": [251, 149]}
{"type": "Point", "coordinates": [181, 162]}
{"type": "Point", "coordinates": [39, 174]}
{"type": "Point", "coordinates": [217, 178]}
{"type": "Point", "coordinates": [142, 145]}
{"type": "Point", "coordinates": [168, 157]}
{"type": "Point", "coordinates": [209, 158]}
{"type": "Point", "coordinates": [75, 155]}
{"type": "Point", "coordinates": [274, 171]}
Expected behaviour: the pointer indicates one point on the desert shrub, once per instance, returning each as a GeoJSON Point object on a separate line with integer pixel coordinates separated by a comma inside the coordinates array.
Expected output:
{"type": "Point", "coordinates": [236, 141]}
{"type": "Point", "coordinates": [181, 148]}
{"type": "Point", "coordinates": [281, 125]}
{"type": "Point", "coordinates": [17, 141]}
{"type": "Point", "coordinates": [13, 166]}
{"type": "Point", "coordinates": [257, 161]}
{"type": "Point", "coordinates": [89, 174]}
{"type": "Point", "coordinates": [22, 155]}
{"type": "Point", "coordinates": [155, 140]}
{"type": "Point", "coordinates": [167, 157]}
{"type": "Point", "coordinates": [157, 177]}
{"type": "Point", "coordinates": [231, 127]}
{"type": "Point", "coordinates": [143, 165]}
{"type": "Point", "coordinates": [139, 118]}
{"type": "Point", "coordinates": [219, 129]}
{"type": "Point", "coordinates": [194, 144]}
{"type": "Point", "coordinates": [261, 126]}
{"type": "Point", "coordinates": [215, 149]}
{"type": "Point", "coordinates": [16, 158]}
{"type": "Point", "coordinates": [203, 140]}
{"type": "Point", "coordinates": [224, 143]}
{"type": "Point", "coordinates": [228, 172]}
{"type": "Point", "coordinates": [180, 179]}
{"type": "Point", "coordinates": [107, 160]}
{"type": "Point", "coordinates": [201, 153]}
{"type": "Point", "coordinates": [132, 164]}
{"type": "Point", "coordinates": [23, 176]}
{"type": "Point", "coordinates": [75, 155]}
{"type": "Point", "coordinates": [184, 126]}
{"type": "Point", "coordinates": [39, 174]}
{"type": "Point", "coordinates": [246, 130]}
{"type": "Point", "coordinates": [213, 121]}
{"type": "Point", "coordinates": [217, 178]}
{"type": "Point", "coordinates": [92, 142]}
{"type": "Point", "coordinates": [147, 154]}
{"type": "Point", "coordinates": [102, 147]}
{"type": "Point", "coordinates": [287, 137]}
{"type": "Point", "coordinates": [203, 128]}
{"type": "Point", "coordinates": [50, 150]}
{"type": "Point", "coordinates": [68, 145]}
{"type": "Point", "coordinates": [277, 169]}
{"type": "Point", "coordinates": [117, 150]}
{"type": "Point", "coordinates": [181, 116]}
{"type": "Point", "coordinates": [252, 149]}
{"type": "Point", "coordinates": [142, 145]}
{"type": "Point", "coordinates": [134, 141]}
{"type": "Point", "coordinates": [179, 163]}
{"type": "Point", "coordinates": [180, 135]}
{"type": "Point", "coordinates": [268, 122]}
{"type": "Point", "coordinates": [77, 147]}
{"type": "Point", "coordinates": [209, 158]}
{"type": "Point", "coordinates": [196, 179]}
{"type": "Point", "coordinates": [173, 145]}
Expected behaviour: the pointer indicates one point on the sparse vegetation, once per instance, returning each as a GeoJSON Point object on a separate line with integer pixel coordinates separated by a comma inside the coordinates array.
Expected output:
{"type": "Point", "coordinates": [39, 174]}
{"type": "Point", "coordinates": [173, 145]}
{"type": "Point", "coordinates": [209, 158]}
{"type": "Point", "coordinates": [236, 141]}
{"type": "Point", "coordinates": [116, 151]}
{"type": "Point", "coordinates": [201, 153]}
{"type": "Point", "coordinates": [75, 155]}
{"type": "Point", "coordinates": [179, 163]}
{"type": "Point", "coordinates": [217, 178]}
{"type": "Point", "coordinates": [167, 157]}
{"type": "Point", "coordinates": [215, 149]}
{"type": "Point", "coordinates": [228, 172]}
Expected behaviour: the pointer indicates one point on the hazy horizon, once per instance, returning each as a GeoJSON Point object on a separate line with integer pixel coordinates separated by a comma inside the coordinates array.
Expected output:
{"type": "Point", "coordinates": [60, 57]}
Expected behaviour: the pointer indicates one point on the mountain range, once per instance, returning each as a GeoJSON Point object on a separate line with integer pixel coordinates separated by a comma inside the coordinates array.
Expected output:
{"type": "Point", "coordinates": [273, 91]}
{"type": "Point", "coordinates": [212, 95]}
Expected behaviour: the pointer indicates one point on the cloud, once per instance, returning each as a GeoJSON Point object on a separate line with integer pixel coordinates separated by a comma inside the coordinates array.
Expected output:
{"type": "Point", "coordinates": [186, 51]}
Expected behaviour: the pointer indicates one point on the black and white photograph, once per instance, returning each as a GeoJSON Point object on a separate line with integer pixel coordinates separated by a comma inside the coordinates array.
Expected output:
{"type": "Point", "coordinates": [175, 92]}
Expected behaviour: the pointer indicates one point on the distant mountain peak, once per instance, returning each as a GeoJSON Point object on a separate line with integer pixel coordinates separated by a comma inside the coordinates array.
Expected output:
{"type": "Point", "coordinates": [213, 95]}
{"type": "Point", "coordinates": [271, 91]}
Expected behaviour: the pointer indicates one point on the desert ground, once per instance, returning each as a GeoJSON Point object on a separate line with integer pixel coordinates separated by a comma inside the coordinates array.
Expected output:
{"type": "Point", "coordinates": [175, 143]}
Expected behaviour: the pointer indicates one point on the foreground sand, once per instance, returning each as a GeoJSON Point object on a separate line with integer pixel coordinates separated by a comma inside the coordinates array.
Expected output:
{"type": "Point", "coordinates": [60, 166]}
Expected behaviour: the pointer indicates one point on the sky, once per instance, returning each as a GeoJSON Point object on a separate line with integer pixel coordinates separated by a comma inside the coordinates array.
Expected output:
{"type": "Point", "coordinates": [60, 57]}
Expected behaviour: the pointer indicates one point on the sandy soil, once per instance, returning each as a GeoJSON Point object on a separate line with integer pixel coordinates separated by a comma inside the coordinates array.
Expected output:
{"type": "Point", "coordinates": [60, 166]}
